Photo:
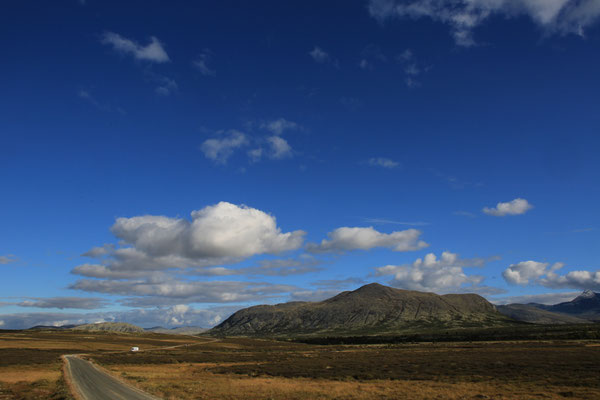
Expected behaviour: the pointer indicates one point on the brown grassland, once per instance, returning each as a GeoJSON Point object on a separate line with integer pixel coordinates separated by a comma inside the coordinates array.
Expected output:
{"type": "Point", "coordinates": [239, 368]}
{"type": "Point", "coordinates": [30, 364]}
{"type": "Point", "coordinates": [260, 369]}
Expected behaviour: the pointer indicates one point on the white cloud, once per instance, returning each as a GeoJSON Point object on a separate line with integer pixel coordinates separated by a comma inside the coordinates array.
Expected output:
{"type": "Point", "coordinates": [202, 63]}
{"type": "Point", "coordinates": [215, 235]}
{"type": "Point", "coordinates": [82, 303]}
{"type": "Point", "coordinates": [279, 126]}
{"type": "Point", "coordinates": [99, 251]}
{"type": "Point", "coordinates": [383, 162]}
{"type": "Point", "coordinates": [221, 148]}
{"type": "Point", "coordinates": [280, 148]}
{"type": "Point", "coordinates": [1, 322]}
{"type": "Point", "coordinates": [534, 272]}
{"type": "Point", "coordinates": [445, 274]}
{"type": "Point", "coordinates": [584, 280]}
{"type": "Point", "coordinates": [153, 51]}
{"type": "Point", "coordinates": [222, 230]}
{"type": "Point", "coordinates": [7, 259]}
{"type": "Point", "coordinates": [463, 16]}
{"type": "Point", "coordinates": [521, 273]}
{"type": "Point", "coordinates": [346, 238]}
{"type": "Point", "coordinates": [515, 207]}
{"type": "Point", "coordinates": [174, 291]}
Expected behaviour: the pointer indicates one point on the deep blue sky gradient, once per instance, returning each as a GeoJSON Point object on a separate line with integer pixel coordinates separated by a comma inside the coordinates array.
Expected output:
{"type": "Point", "coordinates": [515, 116]}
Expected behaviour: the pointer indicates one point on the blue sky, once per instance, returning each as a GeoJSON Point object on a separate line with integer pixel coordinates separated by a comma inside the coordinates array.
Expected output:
{"type": "Point", "coordinates": [167, 164]}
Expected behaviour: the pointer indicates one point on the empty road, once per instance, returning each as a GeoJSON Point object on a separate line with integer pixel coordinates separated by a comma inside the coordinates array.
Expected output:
{"type": "Point", "coordinates": [93, 384]}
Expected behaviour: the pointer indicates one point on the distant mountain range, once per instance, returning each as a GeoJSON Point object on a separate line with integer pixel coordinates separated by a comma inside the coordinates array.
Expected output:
{"type": "Point", "coordinates": [371, 309]}
{"type": "Point", "coordinates": [375, 309]}
{"type": "Point", "coordinates": [585, 308]}
{"type": "Point", "coordinates": [184, 330]}
{"type": "Point", "coordinates": [122, 327]}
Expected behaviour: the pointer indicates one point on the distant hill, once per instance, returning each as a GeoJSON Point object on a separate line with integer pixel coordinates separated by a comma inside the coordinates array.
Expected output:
{"type": "Point", "coordinates": [532, 314]}
{"type": "Point", "coordinates": [52, 327]}
{"type": "Point", "coordinates": [371, 309]}
{"type": "Point", "coordinates": [184, 330]}
{"type": "Point", "coordinates": [582, 309]}
{"type": "Point", "coordinates": [120, 327]}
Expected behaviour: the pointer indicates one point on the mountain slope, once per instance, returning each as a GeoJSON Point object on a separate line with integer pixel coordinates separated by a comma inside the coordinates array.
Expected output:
{"type": "Point", "coordinates": [120, 327]}
{"type": "Point", "coordinates": [370, 309]}
{"type": "Point", "coordinates": [535, 315]}
{"type": "Point", "coordinates": [586, 305]}
{"type": "Point", "coordinates": [582, 309]}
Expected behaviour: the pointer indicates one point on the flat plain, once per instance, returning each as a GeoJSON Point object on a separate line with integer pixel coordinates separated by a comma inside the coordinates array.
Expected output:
{"type": "Point", "coordinates": [30, 363]}
{"type": "Point", "coordinates": [243, 368]}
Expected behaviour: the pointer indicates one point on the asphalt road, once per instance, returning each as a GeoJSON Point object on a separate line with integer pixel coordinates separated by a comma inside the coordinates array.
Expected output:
{"type": "Point", "coordinates": [93, 384]}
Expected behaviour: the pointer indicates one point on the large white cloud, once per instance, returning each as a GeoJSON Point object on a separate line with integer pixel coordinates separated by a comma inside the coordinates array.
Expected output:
{"type": "Point", "coordinates": [222, 230]}
{"type": "Point", "coordinates": [445, 274]}
{"type": "Point", "coordinates": [514, 207]}
{"type": "Point", "coordinates": [357, 238]}
{"type": "Point", "coordinates": [153, 51]}
{"type": "Point", "coordinates": [534, 272]}
{"type": "Point", "coordinates": [215, 235]}
{"type": "Point", "coordinates": [554, 16]}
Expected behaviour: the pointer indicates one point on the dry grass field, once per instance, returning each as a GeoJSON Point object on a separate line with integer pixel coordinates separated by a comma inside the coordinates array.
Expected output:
{"type": "Point", "coordinates": [260, 369]}
{"type": "Point", "coordinates": [30, 364]}
{"type": "Point", "coordinates": [238, 368]}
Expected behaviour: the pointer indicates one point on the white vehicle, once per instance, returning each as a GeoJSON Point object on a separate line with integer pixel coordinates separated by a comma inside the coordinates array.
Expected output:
{"type": "Point", "coordinates": [135, 349]}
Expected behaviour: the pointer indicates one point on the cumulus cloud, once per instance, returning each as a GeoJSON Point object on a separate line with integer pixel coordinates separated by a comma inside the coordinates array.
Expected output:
{"type": "Point", "coordinates": [215, 235]}
{"type": "Point", "coordinates": [383, 162]}
{"type": "Point", "coordinates": [442, 275]}
{"type": "Point", "coordinates": [463, 16]}
{"type": "Point", "coordinates": [356, 238]}
{"type": "Point", "coordinates": [543, 274]}
{"type": "Point", "coordinates": [7, 259]}
{"type": "Point", "coordinates": [153, 52]}
{"type": "Point", "coordinates": [521, 273]}
{"type": "Point", "coordinates": [201, 63]}
{"type": "Point", "coordinates": [219, 149]}
{"type": "Point", "coordinates": [81, 303]}
{"type": "Point", "coordinates": [515, 207]}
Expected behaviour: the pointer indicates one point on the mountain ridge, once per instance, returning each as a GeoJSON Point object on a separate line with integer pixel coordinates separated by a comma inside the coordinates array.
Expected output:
{"type": "Point", "coordinates": [372, 309]}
